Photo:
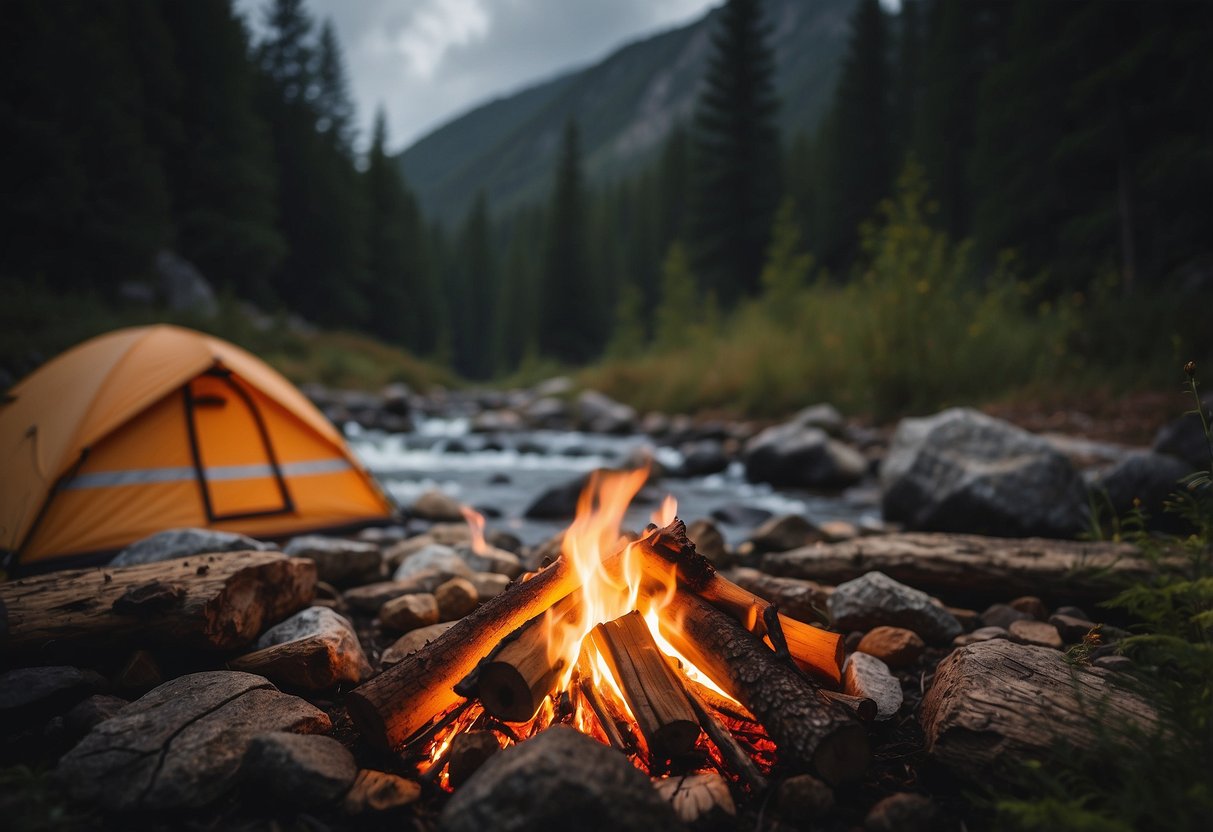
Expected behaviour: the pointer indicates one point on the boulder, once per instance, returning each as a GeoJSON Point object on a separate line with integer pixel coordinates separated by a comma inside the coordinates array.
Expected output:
{"type": "Point", "coordinates": [794, 455]}
{"type": "Point", "coordinates": [185, 543]}
{"type": "Point", "coordinates": [701, 458]}
{"type": "Point", "coordinates": [546, 413]}
{"type": "Point", "coordinates": [709, 542]}
{"type": "Point", "coordinates": [435, 506]}
{"type": "Point", "coordinates": [782, 534]}
{"type": "Point", "coordinates": [433, 558]}
{"type": "Point", "coordinates": [314, 649]}
{"type": "Point", "coordinates": [181, 745]}
{"type": "Point", "coordinates": [558, 502]}
{"type": "Point", "coordinates": [600, 413]}
{"type": "Point", "coordinates": [297, 771]}
{"type": "Point", "coordinates": [28, 692]}
{"type": "Point", "coordinates": [338, 561]}
{"type": "Point", "coordinates": [1144, 476]}
{"type": "Point", "coordinates": [876, 599]}
{"type": "Point", "coordinates": [182, 288]}
{"type": "Point", "coordinates": [963, 471]}
{"type": "Point", "coordinates": [1184, 438]}
{"type": "Point", "coordinates": [558, 779]}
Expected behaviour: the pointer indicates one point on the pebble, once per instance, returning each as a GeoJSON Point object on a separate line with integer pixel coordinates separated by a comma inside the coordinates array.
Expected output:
{"type": "Point", "coordinates": [434, 505]}
{"type": "Point", "coordinates": [412, 642]}
{"type": "Point", "coordinates": [1072, 629]}
{"type": "Point", "coordinates": [980, 634]}
{"type": "Point", "coordinates": [1031, 605]}
{"type": "Point", "coordinates": [1120, 663]}
{"type": "Point", "coordinates": [1035, 632]}
{"type": "Point", "coordinates": [804, 797]}
{"type": "Point", "coordinates": [409, 612]}
{"type": "Point", "coordinates": [456, 598]}
{"type": "Point", "coordinates": [903, 812]}
{"type": "Point", "coordinates": [868, 676]}
{"type": "Point", "coordinates": [468, 752]}
{"type": "Point", "coordinates": [1001, 615]}
{"type": "Point", "coordinates": [489, 584]}
{"type": "Point", "coordinates": [895, 646]}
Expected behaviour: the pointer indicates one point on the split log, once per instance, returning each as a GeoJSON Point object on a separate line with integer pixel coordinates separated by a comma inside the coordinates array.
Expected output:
{"type": "Point", "coordinates": [996, 700]}
{"type": "Point", "coordinates": [734, 756]}
{"type": "Point", "coordinates": [585, 683]}
{"type": "Point", "coordinates": [809, 730]}
{"type": "Point", "coordinates": [513, 682]}
{"type": "Point", "coordinates": [652, 691]}
{"type": "Point", "coordinates": [959, 567]}
{"type": "Point", "coordinates": [212, 602]}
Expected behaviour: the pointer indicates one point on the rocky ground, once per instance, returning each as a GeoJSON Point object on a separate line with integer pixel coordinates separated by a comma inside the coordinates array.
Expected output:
{"type": "Point", "coordinates": [199, 680]}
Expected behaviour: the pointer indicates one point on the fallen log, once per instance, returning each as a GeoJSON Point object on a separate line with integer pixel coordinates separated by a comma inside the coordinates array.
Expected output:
{"type": "Point", "coordinates": [799, 599]}
{"type": "Point", "coordinates": [809, 730]}
{"type": "Point", "coordinates": [652, 691]}
{"type": "Point", "coordinates": [996, 701]}
{"type": "Point", "coordinates": [959, 567]}
{"type": "Point", "coordinates": [211, 602]}
{"type": "Point", "coordinates": [513, 682]}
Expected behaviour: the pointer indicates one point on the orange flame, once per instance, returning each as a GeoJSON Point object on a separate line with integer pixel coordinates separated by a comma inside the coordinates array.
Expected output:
{"type": "Point", "coordinates": [475, 521]}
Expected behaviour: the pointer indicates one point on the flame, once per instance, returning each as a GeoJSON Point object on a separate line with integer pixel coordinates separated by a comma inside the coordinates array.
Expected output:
{"type": "Point", "coordinates": [475, 521]}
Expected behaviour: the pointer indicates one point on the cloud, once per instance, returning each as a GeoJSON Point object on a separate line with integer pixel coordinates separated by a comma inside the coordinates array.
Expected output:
{"type": "Point", "coordinates": [436, 27]}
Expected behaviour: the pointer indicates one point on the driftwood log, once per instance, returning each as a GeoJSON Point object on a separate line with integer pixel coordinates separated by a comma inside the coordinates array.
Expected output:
{"type": "Point", "coordinates": [959, 567]}
{"type": "Point", "coordinates": [214, 602]}
{"type": "Point", "coordinates": [796, 598]}
{"type": "Point", "coordinates": [999, 701]}
{"type": "Point", "coordinates": [809, 730]}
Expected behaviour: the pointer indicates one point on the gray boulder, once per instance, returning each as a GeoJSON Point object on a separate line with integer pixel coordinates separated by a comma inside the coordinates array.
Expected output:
{"type": "Point", "coordinates": [185, 543]}
{"type": "Point", "coordinates": [1184, 439]}
{"type": "Point", "coordinates": [182, 286]}
{"type": "Point", "coordinates": [296, 770]}
{"type": "Point", "coordinates": [1142, 475]}
{"type": "Point", "coordinates": [338, 561]}
{"type": "Point", "coordinates": [799, 455]}
{"type": "Point", "coordinates": [701, 458]}
{"type": "Point", "coordinates": [558, 502]}
{"type": "Point", "coordinates": [875, 600]}
{"type": "Point", "coordinates": [963, 471]}
{"type": "Point", "coordinates": [435, 558]}
{"type": "Point", "coordinates": [26, 691]}
{"type": "Point", "coordinates": [600, 413]}
{"type": "Point", "coordinates": [491, 559]}
{"type": "Point", "coordinates": [436, 506]}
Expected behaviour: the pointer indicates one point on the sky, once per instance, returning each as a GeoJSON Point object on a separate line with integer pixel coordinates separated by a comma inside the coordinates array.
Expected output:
{"type": "Point", "coordinates": [427, 61]}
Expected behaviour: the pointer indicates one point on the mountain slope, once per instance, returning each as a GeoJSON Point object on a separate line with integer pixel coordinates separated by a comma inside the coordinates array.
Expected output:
{"type": "Point", "coordinates": [625, 106]}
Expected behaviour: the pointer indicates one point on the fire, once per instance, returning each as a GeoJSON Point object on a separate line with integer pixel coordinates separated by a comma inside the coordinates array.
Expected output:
{"type": "Point", "coordinates": [475, 521]}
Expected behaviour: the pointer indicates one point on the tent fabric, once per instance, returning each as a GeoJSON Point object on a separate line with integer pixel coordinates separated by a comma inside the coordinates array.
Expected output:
{"type": "Point", "coordinates": [159, 427]}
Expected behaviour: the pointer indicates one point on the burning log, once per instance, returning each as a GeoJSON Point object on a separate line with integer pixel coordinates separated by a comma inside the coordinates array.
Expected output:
{"type": "Point", "coordinates": [649, 685]}
{"type": "Point", "coordinates": [809, 730]}
{"type": "Point", "coordinates": [513, 683]}
{"type": "Point", "coordinates": [585, 683]}
{"type": "Point", "coordinates": [734, 756]}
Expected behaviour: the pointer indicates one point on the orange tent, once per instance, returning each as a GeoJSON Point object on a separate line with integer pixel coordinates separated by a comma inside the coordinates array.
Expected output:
{"type": "Point", "coordinates": [160, 427]}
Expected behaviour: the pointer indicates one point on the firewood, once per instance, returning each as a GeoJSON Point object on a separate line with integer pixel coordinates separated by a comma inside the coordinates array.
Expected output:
{"type": "Point", "coordinates": [734, 756]}
{"type": "Point", "coordinates": [809, 731]}
{"type": "Point", "coordinates": [212, 602]}
{"type": "Point", "coordinates": [513, 682]}
{"type": "Point", "coordinates": [585, 683]}
{"type": "Point", "coordinates": [862, 706]}
{"type": "Point", "coordinates": [652, 691]}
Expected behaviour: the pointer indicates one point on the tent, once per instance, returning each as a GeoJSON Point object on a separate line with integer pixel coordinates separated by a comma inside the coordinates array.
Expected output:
{"type": "Point", "coordinates": [159, 427]}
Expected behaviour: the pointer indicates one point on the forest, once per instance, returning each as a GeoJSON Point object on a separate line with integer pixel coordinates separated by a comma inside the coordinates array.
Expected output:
{"type": "Point", "coordinates": [1002, 195]}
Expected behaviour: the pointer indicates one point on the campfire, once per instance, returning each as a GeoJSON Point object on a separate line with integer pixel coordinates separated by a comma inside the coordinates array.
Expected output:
{"type": "Point", "coordinates": [638, 643]}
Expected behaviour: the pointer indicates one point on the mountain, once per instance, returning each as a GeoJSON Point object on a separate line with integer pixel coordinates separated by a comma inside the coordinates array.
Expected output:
{"type": "Point", "coordinates": [625, 106]}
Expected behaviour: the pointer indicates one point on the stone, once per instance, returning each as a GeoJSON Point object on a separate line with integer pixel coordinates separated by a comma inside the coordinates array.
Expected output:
{"type": "Point", "coordinates": [784, 533]}
{"type": "Point", "coordinates": [740, 515]}
{"type": "Point", "coordinates": [468, 752]}
{"type": "Point", "coordinates": [868, 676]}
{"type": "Point", "coordinates": [902, 812]}
{"type": "Point", "coordinates": [963, 471]}
{"type": "Point", "coordinates": [1001, 615]}
{"type": "Point", "coordinates": [1184, 438]}
{"type": "Point", "coordinates": [702, 458]}
{"type": "Point", "coordinates": [980, 634]}
{"type": "Point", "coordinates": [823, 416]}
{"type": "Point", "coordinates": [709, 542]}
{"type": "Point", "coordinates": [89, 713]}
{"type": "Point", "coordinates": [1072, 611]}
{"type": "Point", "coordinates": [433, 558]}
{"type": "Point", "coordinates": [836, 531]}
{"type": "Point", "coordinates": [412, 642]}
{"type": "Point", "coordinates": [314, 649]}
{"type": "Point", "coordinates": [875, 599]}
{"type": "Point", "coordinates": [181, 745]}
{"type": "Point", "coordinates": [969, 619]}
{"type": "Point", "coordinates": [1144, 476]}
{"type": "Point", "coordinates": [182, 288]}
{"type": "Point", "coordinates": [185, 543]}
{"type": "Point", "coordinates": [383, 535]}
{"type": "Point", "coordinates": [409, 612]}
{"type": "Point", "coordinates": [1072, 630]}
{"type": "Point", "coordinates": [297, 771]}
{"type": "Point", "coordinates": [558, 502]}
{"type": "Point", "coordinates": [502, 539]}
{"type": "Point", "coordinates": [546, 413]}
{"type": "Point", "coordinates": [1031, 631]}
{"type": "Point", "coordinates": [489, 584]}
{"type": "Point", "coordinates": [400, 551]}
{"type": "Point", "coordinates": [1031, 605]}
{"type": "Point", "coordinates": [434, 505]}
{"type": "Point", "coordinates": [497, 421]}
{"type": "Point", "coordinates": [140, 674]}
{"type": "Point", "coordinates": [370, 598]}
{"type": "Point", "coordinates": [803, 797]}
{"type": "Point", "coordinates": [793, 455]}
{"type": "Point", "coordinates": [599, 413]}
{"type": "Point", "coordinates": [338, 561]}
{"type": "Point", "coordinates": [374, 792]}
{"type": "Point", "coordinates": [490, 559]}
{"type": "Point", "coordinates": [30, 691]}
{"type": "Point", "coordinates": [1119, 663]}
{"type": "Point", "coordinates": [456, 598]}
{"type": "Point", "coordinates": [895, 646]}
{"type": "Point", "coordinates": [558, 779]}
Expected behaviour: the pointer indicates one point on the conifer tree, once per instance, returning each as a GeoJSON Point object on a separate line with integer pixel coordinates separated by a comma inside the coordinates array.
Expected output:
{"type": "Point", "coordinates": [736, 154]}
{"type": "Point", "coordinates": [473, 335]}
{"type": "Point", "coordinates": [333, 104]}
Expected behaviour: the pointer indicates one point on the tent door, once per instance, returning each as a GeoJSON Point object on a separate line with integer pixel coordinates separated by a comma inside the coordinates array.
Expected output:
{"type": "Point", "coordinates": [238, 473]}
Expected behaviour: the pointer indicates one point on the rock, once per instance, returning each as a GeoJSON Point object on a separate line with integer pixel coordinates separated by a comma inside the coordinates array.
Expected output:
{"type": "Point", "coordinates": [1072, 611]}
{"type": "Point", "coordinates": [1031, 605]}
{"type": "Point", "coordinates": [468, 752]}
{"type": "Point", "coordinates": [370, 598]}
{"type": "Point", "coordinates": [140, 674]}
{"type": "Point", "coordinates": [903, 812]}
{"type": "Point", "coordinates": [1117, 663]}
{"type": "Point", "coordinates": [91, 712]}
{"type": "Point", "coordinates": [28, 692]}
{"type": "Point", "coordinates": [434, 505]}
{"type": "Point", "coordinates": [1031, 631]}
{"type": "Point", "coordinates": [506, 541]}
{"type": "Point", "coordinates": [185, 543]}
{"type": "Point", "coordinates": [702, 458]}
{"type": "Point", "coordinates": [803, 797]}
{"type": "Point", "coordinates": [401, 551]}
{"type": "Point", "coordinates": [338, 561]}
{"type": "Point", "coordinates": [559, 502]}
{"type": "Point", "coordinates": [783, 533]}
{"type": "Point", "coordinates": [433, 558]}
{"type": "Point", "coordinates": [1144, 476]}
{"type": "Point", "coordinates": [377, 791]}
{"type": "Point", "coordinates": [383, 535]}
{"type": "Point", "coordinates": [490, 559]}
{"type": "Point", "coordinates": [599, 413]}
{"type": "Point", "coordinates": [877, 599]}
{"type": "Point", "coordinates": [497, 421]}
{"type": "Point", "coordinates": [709, 542]}
{"type": "Point", "coordinates": [963, 471]}
{"type": "Point", "coordinates": [546, 413]}
{"type": "Point", "coordinates": [558, 779]}
{"type": "Point", "coordinates": [836, 531]}
{"type": "Point", "coordinates": [700, 800]}
{"type": "Point", "coordinates": [868, 676]}
{"type": "Point", "coordinates": [181, 745]}
{"type": "Point", "coordinates": [800, 456]}
{"type": "Point", "coordinates": [1184, 439]}
{"type": "Point", "coordinates": [822, 416]}
{"type": "Point", "coordinates": [980, 634]}
{"type": "Point", "coordinates": [894, 646]}
{"type": "Point", "coordinates": [409, 612]}
{"type": "Point", "coordinates": [314, 649]}
{"type": "Point", "coordinates": [296, 770]}
{"type": "Point", "coordinates": [969, 619]}
{"type": "Point", "coordinates": [182, 288]}
{"type": "Point", "coordinates": [456, 598]}
{"type": "Point", "coordinates": [1072, 630]}
{"type": "Point", "coordinates": [411, 642]}
{"type": "Point", "coordinates": [489, 584]}
{"type": "Point", "coordinates": [1001, 615]}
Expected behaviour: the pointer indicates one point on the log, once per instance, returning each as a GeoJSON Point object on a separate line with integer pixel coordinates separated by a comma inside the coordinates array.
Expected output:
{"type": "Point", "coordinates": [809, 730]}
{"type": "Point", "coordinates": [210, 602]}
{"type": "Point", "coordinates": [799, 599]}
{"type": "Point", "coordinates": [585, 683]}
{"type": "Point", "coordinates": [734, 756]}
{"type": "Point", "coordinates": [513, 682]}
{"type": "Point", "coordinates": [959, 568]}
{"type": "Point", "coordinates": [665, 717]}
{"type": "Point", "coordinates": [996, 701]}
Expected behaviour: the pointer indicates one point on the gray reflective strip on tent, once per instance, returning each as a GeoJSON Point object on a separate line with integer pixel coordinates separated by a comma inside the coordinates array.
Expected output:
{"type": "Point", "coordinates": [218, 473]}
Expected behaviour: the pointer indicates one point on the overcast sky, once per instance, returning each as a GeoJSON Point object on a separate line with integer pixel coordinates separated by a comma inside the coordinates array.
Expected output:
{"type": "Point", "coordinates": [427, 61]}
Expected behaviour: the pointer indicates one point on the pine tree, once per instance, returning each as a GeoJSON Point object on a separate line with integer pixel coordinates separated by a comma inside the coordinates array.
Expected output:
{"type": "Point", "coordinates": [477, 283]}
{"type": "Point", "coordinates": [333, 102]}
{"type": "Point", "coordinates": [736, 154]}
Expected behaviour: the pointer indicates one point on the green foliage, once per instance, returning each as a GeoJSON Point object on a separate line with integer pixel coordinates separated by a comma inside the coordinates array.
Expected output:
{"type": "Point", "coordinates": [787, 270]}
